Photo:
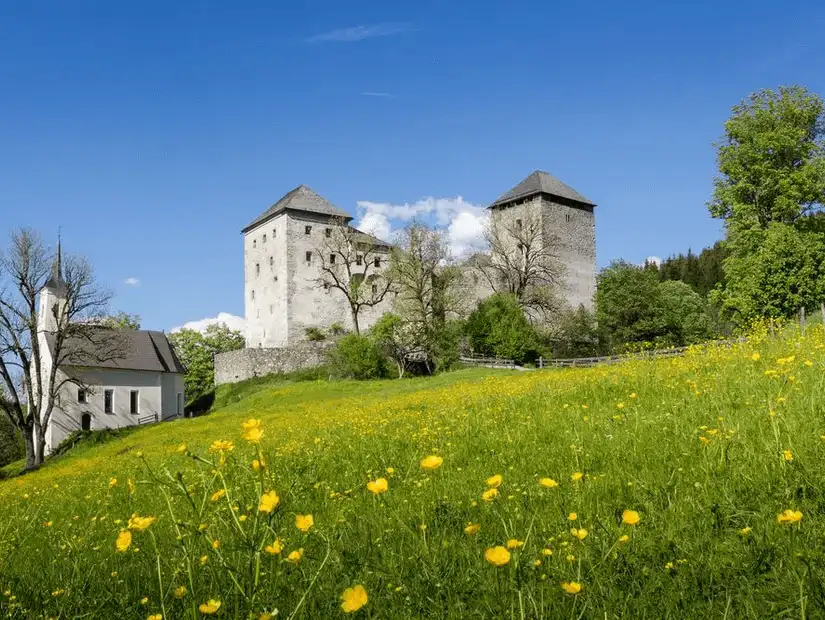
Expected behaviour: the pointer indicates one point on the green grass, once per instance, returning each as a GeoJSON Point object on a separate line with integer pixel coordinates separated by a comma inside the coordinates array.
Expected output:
{"type": "Point", "coordinates": [696, 445]}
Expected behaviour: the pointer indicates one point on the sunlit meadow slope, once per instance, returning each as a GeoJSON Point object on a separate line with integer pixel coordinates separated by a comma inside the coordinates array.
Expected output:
{"type": "Point", "coordinates": [682, 488]}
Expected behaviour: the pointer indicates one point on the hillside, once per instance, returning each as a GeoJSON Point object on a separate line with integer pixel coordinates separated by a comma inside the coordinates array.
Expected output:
{"type": "Point", "coordinates": [682, 488]}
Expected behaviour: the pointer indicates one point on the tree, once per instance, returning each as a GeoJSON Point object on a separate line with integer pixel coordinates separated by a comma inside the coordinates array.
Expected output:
{"type": "Point", "coordinates": [576, 334]}
{"type": "Point", "coordinates": [197, 350]}
{"type": "Point", "coordinates": [32, 352]}
{"type": "Point", "coordinates": [430, 291]}
{"type": "Point", "coordinates": [12, 446]}
{"type": "Point", "coordinates": [122, 320]}
{"type": "Point", "coordinates": [397, 341]}
{"type": "Point", "coordinates": [499, 327]}
{"type": "Point", "coordinates": [353, 263]}
{"type": "Point", "coordinates": [523, 262]}
{"type": "Point", "coordinates": [686, 320]}
{"type": "Point", "coordinates": [357, 357]}
{"type": "Point", "coordinates": [771, 187]}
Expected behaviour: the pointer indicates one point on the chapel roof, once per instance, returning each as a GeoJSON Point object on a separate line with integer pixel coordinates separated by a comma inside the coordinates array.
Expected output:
{"type": "Point", "coordinates": [302, 198]}
{"type": "Point", "coordinates": [124, 349]}
{"type": "Point", "coordinates": [540, 182]}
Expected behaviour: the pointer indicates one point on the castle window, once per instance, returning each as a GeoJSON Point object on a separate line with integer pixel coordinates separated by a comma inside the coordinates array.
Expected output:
{"type": "Point", "coordinates": [332, 259]}
{"type": "Point", "coordinates": [274, 233]}
{"type": "Point", "coordinates": [254, 243]}
{"type": "Point", "coordinates": [567, 216]}
{"type": "Point", "coordinates": [271, 261]}
{"type": "Point", "coordinates": [253, 295]}
{"type": "Point", "coordinates": [307, 230]}
{"type": "Point", "coordinates": [374, 289]}
{"type": "Point", "coordinates": [276, 278]}
{"type": "Point", "coordinates": [377, 261]}
{"type": "Point", "coordinates": [257, 269]}
{"type": "Point", "coordinates": [82, 396]}
{"type": "Point", "coordinates": [271, 309]}
{"type": "Point", "coordinates": [134, 401]}
{"type": "Point", "coordinates": [327, 232]}
{"type": "Point", "coordinates": [264, 237]}
{"type": "Point", "coordinates": [309, 257]}
{"type": "Point", "coordinates": [518, 224]}
{"type": "Point", "coordinates": [108, 401]}
{"type": "Point", "coordinates": [359, 259]}
{"type": "Point", "coordinates": [326, 286]}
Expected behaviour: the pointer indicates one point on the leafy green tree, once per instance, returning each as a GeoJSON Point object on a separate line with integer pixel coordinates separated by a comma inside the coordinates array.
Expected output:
{"type": "Point", "coordinates": [356, 356]}
{"type": "Point", "coordinates": [499, 327]}
{"type": "Point", "coordinates": [771, 191]}
{"type": "Point", "coordinates": [12, 446]}
{"type": "Point", "coordinates": [577, 334]}
{"type": "Point", "coordinates": [122, 320]}
{"type": "Point", "coordinates": [196, 350]}
{"type": "Point", "coordinates": [685, 317]}
{"type": "Point", "coordinates": [628, 304]}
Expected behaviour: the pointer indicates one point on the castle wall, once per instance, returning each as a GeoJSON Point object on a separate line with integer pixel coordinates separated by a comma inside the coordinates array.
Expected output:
{"type": "Point", "coordinates": [574, 231]}
{"type": "Point", "coordinates": [265, 278]}
{"type": "Point", "coordinates": [248, 363]}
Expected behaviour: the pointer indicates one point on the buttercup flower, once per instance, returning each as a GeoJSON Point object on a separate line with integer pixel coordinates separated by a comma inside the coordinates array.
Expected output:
{"type": "Point", "coordinates": [269, 502]}
{"type": "Point", "coordinates": [139, 524]}
{"type": "Point", "coordinates": [353, 599]}
{"type": "Point", "coordinates": [252, 430]}
{"type": "Point", "coordinates": [497, 556]}
{"type": "Point", "coordinates": [630, 517]}
{"type": "Point", "coordinates": [124, 540]}
{"type": "Point", "coordinates": [304, 522]}
{"type": "Point", "coordinates": [571, 587]}
{"type": "Point", "coordinates": [472, 528]}
{"type": "Point", "coordinates": [218, 495]}
{"type": "Point", "coordinates": [548, 483]}
{"type": "Point", "coordinates": [275, 548]}
{"type": "Point", "coordinates": [581, 533]}
{"type": "Point", "coordinates": [210, 607]}
{"type": "Point", "coordinates": [378, 486]}
{"type": "Point", "coordinates": [489, 495]}
{"type": "Point", "coordinates": [494, 481]}
{"type": "Point", "coordinates": [788, 516]}
{"type": "Point", "coordinates": [295, 556]}
{"type": "Point", "coordinates": [576, 476]}
{"type": "Point", "coordinates": [514, 543]}
{"type": "Point", "coordinates": [431, 462]}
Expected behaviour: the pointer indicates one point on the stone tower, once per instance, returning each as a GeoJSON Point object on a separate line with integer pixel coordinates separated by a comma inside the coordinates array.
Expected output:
{"type": "Point", "coordinates": [567, 221]}
{"type": "Point", "coordinates": [282, 297]}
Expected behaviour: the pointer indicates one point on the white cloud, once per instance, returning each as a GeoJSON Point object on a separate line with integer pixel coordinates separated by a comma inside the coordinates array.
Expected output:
{"type": "Point", "coordinates": [653, 259]}
{"type": "Point", "coordinates": [359, 33]}
{"type": "Point", "coordinates": [464, 222]}
{"type": "Point", "coordinates": [132, 281]}
{"type": "Point", "coordinates": [230, 320]}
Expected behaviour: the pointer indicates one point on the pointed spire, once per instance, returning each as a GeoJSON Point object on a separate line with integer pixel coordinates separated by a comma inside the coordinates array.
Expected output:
{"type": "Point", "coordinates": [56, 280]}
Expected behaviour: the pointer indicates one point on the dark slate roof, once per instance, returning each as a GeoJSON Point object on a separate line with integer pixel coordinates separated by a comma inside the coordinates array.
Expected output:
{"type": "Point", "coordinates": [369, 239]}
{"type": "Point", "coordinates": [124, 349]}
{"type": "Point", "coordinates": [541, 183]}
{"type": "Point", "coordinates": [302, 198]}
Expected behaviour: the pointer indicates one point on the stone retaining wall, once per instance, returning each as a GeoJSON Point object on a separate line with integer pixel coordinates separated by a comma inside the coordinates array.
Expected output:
{"type": "Point", "coordinates": [244, 364]}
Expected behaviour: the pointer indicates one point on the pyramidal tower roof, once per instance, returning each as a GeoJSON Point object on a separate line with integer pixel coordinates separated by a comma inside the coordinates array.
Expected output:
{"type": "Point", "coordinates": [540, 182]}
{"type": "Point", "coordinates": [302, 198]}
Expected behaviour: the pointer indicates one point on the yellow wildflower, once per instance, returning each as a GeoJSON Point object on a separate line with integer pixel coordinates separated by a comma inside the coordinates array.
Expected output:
{"type": "Point", "coordinates": [431, 462]}
{"type": "Point", "coordinates": [269, 502]}
{"type": "Point", "coordinates": [789, 516]}
{"type": "Point", "coordinates": [630, 517]}
{"type": "Point", "coordinates": [572, 516]}
{"type": "Point", "coordinates": [218, 494]}
{"type": "Point", "coordinates": [252, 430]}
{"type": "Point", "coordinates": [221, 445]}
{"type": "Point", "coordinates": [295, 556]}
{"type": "Point", "coordinates": [494, 481]}
{"type": "Point", "coordinates": [576, 476]}
{"type": "Point", "coordinates": [180, 591]}
{"type": "Point", "coordinates": [489, 495]}
{"type": "Point", "coordinates": [514, 543]}
{"type": "Point", "coordinates": [580, 533]}
{"type": "Point", "coordinates": [571, 587]}
{"type": "Point", "coordinates": [210, 607]}
{"type": "Point", "coordinates": [745, 531]}
{"type": "Point", "coordinates": [624, 538]}
{"type": "Point", "coordinates": [124, 540]}
{"type": "Point", "coordinates": [472, 528]}
{"type": "Point", "coordinates": [304, 522]}
{"type": "Point", "coordinates": [787, 455]}
{"type": "Point", "coordinates": [497, 556]}
{"type": "Point", "coordinates": [378, 486]}
{"type": "Point", "coordinates": [548, 483]}
{"type": "Point", "coordinates": [140, 523]}
{"type": "Point", "coordinates": [353, 599]}
{"type": "Point", "coordinates": [275, 548]}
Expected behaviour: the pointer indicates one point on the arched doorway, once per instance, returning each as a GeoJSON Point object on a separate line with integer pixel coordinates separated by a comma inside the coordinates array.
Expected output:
{"type": "Point", "coordinates": [86, 421]}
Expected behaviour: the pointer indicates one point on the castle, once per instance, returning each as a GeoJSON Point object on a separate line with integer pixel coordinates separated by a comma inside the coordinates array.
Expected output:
{"type": "Point", "coordinates": [282, 260]}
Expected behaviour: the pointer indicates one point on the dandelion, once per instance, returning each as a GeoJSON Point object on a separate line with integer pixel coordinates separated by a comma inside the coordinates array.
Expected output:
{"type": "Point", "coordinates": [787, 455]}
{"type": "Point", "coordinates": [431, 462]}
{"type": "Point", "coordinates": [378, 486]}
{"type": "Point", "coordinates": [269, 502]}
{"type": "Point", "coordinates": [571, 587]}
{"type": "Point", "coordinates": [497, 556]}
{"type": "Point", "coordinates": [472, 528]}
{"type": "Point", "coordinates": [494, 481]}
{"type": "Point", "coordinates": [630, 517]}
{"type": "Point", "coordinates": [210, 607]}
{"type": "Point", "coordinates": [180, 591]}
{"type": "Point", "coordinates": [221, 445]}
{"type": "Point", "coordinates": [124, 540]}
{"type": "Point", "coordinates": [216, 544]}
{"type": "Point", "coordinates": [514, 543]}
{"type": "Point", "coordinates": [581, 533]}
{"type": "Point", "coordinates": [252, 430]}
{"type": "Point", "coordinates": [788, 516]}
{"type": "Point", "coordinates": [576, 476]}
{"type": "Point", "coordinates": [572, 516]}
{"type": "Point", "coordinates": [745, 531]}
{"type": "Point", "coordinates": [489, 495]}
{"type": "Point", "coordinates": [548, 483]}
{"type": "Point", "coordinates": [139, 524]}
{"type": "Point", "coordinates": [218, 494]}
{"type": "Point", "coordinates": [304, 522]}
{"type": "Point", "coordinates": [295, 556]}
{"type": "Point", "coordinates": [275, 548]}
{"type": "Point", "coordinates": [353, 599]}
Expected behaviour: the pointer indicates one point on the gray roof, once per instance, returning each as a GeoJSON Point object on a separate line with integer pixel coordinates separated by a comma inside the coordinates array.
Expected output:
{"type": "Point", "coordinates": [369, 239]}
{"type": "Point", "coordinates": [125, 349]}
{"type": "Point", "coordinates": [541, 183]}
{"type": "Point", "coordinates": [302, 198]}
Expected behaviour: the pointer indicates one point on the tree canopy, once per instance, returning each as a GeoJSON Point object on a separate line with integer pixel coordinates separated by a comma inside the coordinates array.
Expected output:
{"type": "Point", "coordinates": [196, 350]}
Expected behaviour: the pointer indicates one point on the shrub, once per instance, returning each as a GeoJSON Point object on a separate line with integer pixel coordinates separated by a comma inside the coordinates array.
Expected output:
{"type": "Point", "coordinates": [314, 334]}
{"type": "Point", "coordinates": [336, 329]}
{"type": "Point", "coordinates": [498, 327]}
{"type": "Point", "coordinates": [358, 357]}
{"type": "Point", "coordinates": [11, 442]}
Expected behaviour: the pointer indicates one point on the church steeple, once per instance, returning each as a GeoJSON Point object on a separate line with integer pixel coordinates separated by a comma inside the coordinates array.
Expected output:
{"type": "Point", "coordinates": [56, 281]}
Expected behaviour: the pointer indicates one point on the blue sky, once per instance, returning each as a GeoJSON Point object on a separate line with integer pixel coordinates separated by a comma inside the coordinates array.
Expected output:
{"type": "Point", "coordinates": [152, 132]}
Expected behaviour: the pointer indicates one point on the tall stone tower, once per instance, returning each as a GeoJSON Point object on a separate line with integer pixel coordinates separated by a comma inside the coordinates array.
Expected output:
{"type": "Point", "coordinates": [282, 297]}
{"type": "Point", "coordinates": [567, 222]}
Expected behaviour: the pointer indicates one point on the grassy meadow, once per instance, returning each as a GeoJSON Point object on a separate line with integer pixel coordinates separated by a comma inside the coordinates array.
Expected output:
{"type": "Point", "coordinates": [682, 488]}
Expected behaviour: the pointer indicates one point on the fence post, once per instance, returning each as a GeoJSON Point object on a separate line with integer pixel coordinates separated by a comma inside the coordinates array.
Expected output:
{"type": "Point", "coordinates": [802, 319]}
{"type": "Point", "coordinates": [822, 312]}
{"type": "Point", "coordinates": [541, 362]}
{"type": "Point", "coordinates": [771, 327]}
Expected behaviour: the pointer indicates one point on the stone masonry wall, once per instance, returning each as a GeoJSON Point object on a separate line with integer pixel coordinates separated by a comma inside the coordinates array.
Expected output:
{"type": "Point", "coordinates": [244, 364]}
